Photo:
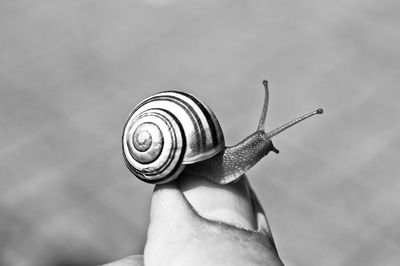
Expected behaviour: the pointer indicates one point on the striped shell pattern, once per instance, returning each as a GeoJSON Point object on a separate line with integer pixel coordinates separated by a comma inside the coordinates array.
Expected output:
{"type": "Point", "coordinates": [166, 131]}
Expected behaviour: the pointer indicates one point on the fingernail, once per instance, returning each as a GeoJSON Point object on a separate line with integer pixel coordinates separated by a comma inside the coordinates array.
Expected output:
{"type": "Point", "coordinates": [231, 203]}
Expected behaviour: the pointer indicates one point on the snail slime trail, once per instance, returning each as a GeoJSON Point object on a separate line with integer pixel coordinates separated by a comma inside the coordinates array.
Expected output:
{"type": "Point", "coordinates": [173, 133]}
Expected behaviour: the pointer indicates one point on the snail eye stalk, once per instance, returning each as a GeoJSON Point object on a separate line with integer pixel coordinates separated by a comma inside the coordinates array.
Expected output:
{"type": "Point", "coordinates": [261, 123]}
{"type": "Point", "coordinates": [292, 123]}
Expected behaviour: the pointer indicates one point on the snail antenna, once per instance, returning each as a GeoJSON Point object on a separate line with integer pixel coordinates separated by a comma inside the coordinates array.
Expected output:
{"type": "Point", "coordinates": [261, 123]}
{"type": "Point", "coordinates": [292, 123]}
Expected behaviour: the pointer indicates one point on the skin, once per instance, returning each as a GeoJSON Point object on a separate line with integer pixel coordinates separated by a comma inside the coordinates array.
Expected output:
{"type": "Point", "coordinates": [179, 235]}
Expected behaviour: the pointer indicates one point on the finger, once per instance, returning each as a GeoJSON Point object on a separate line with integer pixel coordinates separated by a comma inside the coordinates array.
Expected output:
{"type": "Point", "coordinates": [178, 233]}
{"type": "Point", "coordinates": [235, 203]}
{"type": "Point", "coordinates": [230, 203]}
{"type": "Point", "coordinates": [170, 212]}
{"type": "Point", "coordinates": [189, 199]}
{"type": "Point", "coordinates": [173, 225]}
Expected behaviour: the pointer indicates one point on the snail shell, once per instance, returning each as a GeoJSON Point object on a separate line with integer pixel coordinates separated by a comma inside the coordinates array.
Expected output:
{"type": "Point", "coordinates": [165, 132]}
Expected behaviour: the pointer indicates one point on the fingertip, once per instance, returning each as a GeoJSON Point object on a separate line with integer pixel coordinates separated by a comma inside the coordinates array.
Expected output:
{"type": "Point", "coordinates": [168, 203]}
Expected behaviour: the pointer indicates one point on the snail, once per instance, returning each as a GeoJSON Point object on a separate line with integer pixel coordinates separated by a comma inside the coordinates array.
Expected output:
{"type": "Point", "coordinates": [173, 131]}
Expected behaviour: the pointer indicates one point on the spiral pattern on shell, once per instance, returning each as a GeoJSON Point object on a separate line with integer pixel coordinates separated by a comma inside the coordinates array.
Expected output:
{"type": "Point", "coordinates": [166, 131]}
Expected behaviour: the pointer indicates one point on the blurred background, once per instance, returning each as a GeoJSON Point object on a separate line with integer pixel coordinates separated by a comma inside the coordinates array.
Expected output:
{"type": "Point", "coordinates": [71, 71]}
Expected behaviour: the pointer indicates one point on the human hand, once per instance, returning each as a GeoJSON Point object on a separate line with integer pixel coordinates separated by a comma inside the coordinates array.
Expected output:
{"type": "Point", "coordinates": [235, 232]}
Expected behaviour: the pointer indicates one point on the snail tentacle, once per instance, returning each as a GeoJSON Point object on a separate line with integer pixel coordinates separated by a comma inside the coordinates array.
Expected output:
{"type": "Point", "coordinates": [261, 123]}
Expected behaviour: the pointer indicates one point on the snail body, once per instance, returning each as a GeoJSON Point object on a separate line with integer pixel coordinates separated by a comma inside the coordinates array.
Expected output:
{"type": "Point", "coordinates": [173, 130]}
